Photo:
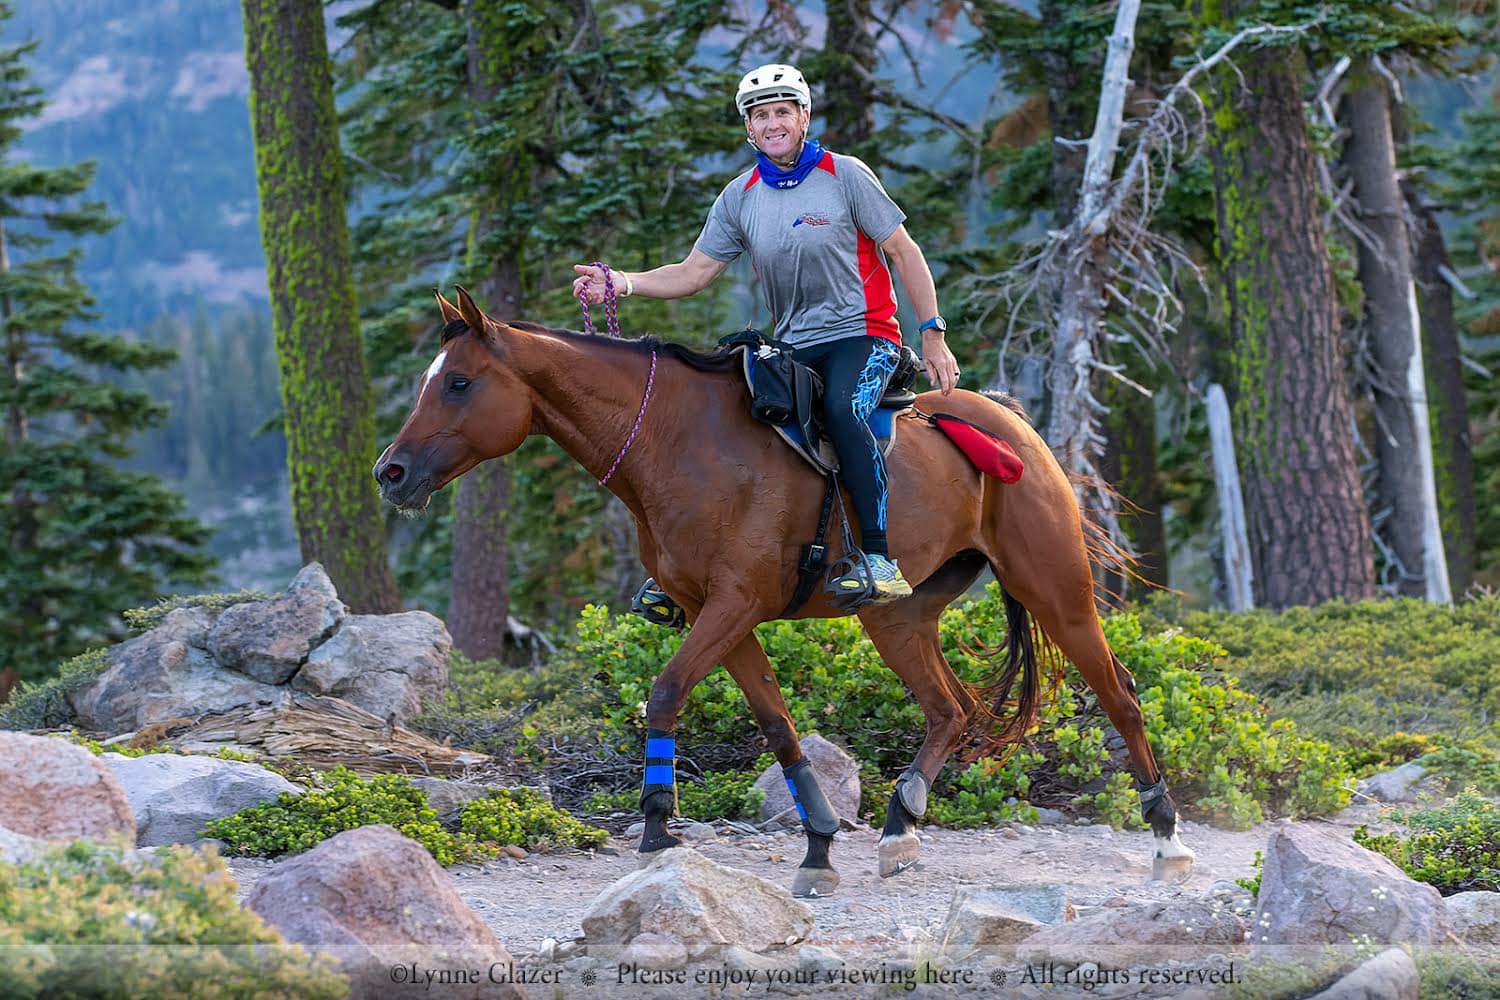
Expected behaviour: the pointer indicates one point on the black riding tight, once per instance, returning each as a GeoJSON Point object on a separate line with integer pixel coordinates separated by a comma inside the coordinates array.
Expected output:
{"type": "Point", "coordinates": [855, 371]}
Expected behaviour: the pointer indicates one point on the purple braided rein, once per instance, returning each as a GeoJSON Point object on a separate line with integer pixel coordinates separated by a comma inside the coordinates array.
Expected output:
{"type": "Point", "coordinates": [612, 324]}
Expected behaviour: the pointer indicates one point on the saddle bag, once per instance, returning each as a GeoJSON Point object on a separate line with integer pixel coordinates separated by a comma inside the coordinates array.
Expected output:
{"type": "Point", "coordinates": [782, 390]}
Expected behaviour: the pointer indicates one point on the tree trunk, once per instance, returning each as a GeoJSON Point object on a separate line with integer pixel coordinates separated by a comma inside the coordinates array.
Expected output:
{"type": "Point", "coordinates": [1234, 543]}
{"type": "Point", "coordinates": [1452, 449]}
{"type": "Point", "coordinates": [1403, 442]}
{"type": "Point", "coordinates": [1308, 526]}
{"type": "Point", "coordinates": [325, 390]}
{"type": "Point", "coordinates": [848, 58]}
{"type": "Point", "coordinates": [1129, 466]}
{"type": "Point", "coordinates": [1067, 112]}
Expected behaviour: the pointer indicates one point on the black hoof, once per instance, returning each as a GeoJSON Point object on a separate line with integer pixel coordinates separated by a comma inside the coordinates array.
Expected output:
{"type": "Point", "coordinates": [661, 843]}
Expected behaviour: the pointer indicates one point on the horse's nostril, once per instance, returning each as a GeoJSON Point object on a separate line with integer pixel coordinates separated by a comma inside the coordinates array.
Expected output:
{"type": "Point", "coordinates": [393, 473]}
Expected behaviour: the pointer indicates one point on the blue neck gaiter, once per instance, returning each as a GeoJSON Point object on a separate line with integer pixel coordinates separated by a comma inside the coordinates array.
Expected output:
{"type": "Point", "coordinates": [812, 152]}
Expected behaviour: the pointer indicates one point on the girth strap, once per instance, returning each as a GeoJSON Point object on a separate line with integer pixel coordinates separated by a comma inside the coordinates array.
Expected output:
{"type": "Point", "coordinates": [815, 556]}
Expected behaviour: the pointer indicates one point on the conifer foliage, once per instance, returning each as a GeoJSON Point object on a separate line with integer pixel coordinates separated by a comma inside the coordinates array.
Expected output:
{"type": "Point", "coordinates": [84, 538]}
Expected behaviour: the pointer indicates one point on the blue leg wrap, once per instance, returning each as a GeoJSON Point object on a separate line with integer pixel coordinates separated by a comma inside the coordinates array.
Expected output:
{"type": "Point", "coordinates": [812, 805]}
{"type": "Point", "coordinates": [661, 764]}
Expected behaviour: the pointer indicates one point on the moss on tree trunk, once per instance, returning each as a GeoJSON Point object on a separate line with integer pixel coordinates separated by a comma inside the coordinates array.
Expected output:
{"type": "Point", "coordinates": [325, 391]}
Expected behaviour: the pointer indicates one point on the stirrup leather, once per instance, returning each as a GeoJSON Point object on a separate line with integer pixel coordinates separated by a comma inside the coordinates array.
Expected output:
{"type": "Point", "coordinates": [656, 606]}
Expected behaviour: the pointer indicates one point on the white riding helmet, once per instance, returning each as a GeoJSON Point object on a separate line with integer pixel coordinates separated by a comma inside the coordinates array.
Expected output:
{"type": "Point", "coordinates": [772, 82]}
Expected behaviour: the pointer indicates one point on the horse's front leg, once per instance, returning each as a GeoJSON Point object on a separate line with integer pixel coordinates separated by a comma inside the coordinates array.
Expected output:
{"type": "Point", "coordinates": [748, 665]}
{"type": "Point", "coordinates": [719, 626]}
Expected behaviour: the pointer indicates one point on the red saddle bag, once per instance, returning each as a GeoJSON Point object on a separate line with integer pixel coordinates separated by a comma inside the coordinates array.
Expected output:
{"type": "Point", "coordinates": [990, 454]}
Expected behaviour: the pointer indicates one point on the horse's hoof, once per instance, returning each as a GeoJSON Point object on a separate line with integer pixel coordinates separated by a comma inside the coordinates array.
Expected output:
{"type": "Point", "coordinates": [661, 843]}
{"type": "Point", "coordinates": [898, 853]}
{"type": "Point", "coordinates": [1172, 869]}
{"type": "Point", "coordinates": [811, 883]}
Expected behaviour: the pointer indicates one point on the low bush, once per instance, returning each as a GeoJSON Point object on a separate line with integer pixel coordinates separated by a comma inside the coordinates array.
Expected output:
{"type": "Point", "coordinates": [1375, 667]}
{"type": "Point", "coordinates": [44, 704]}
{"type": "Point", "coordinates": [73, 923]}
{"type": "Point", "coordinates": [521, 816]}
{"type": "Point", "coordinates": [1455, 848]}
{"type": "Point", "coordinates": [344, 801]}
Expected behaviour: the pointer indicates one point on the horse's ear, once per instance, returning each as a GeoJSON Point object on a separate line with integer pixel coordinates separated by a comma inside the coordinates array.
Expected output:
{"type": "Point", "coordinates": [450, 311]}
{"type": "Point", "coordinates": [471, 313]}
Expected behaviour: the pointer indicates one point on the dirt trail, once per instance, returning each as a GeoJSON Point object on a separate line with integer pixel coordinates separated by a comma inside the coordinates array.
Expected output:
{"type": "Point", "coordinates": [869, 919]}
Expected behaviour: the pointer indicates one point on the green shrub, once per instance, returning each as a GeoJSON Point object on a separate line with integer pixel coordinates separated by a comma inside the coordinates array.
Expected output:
{"type": "Point", "coordinates": [523, 817]}
{"type": "Point", "coordinates": [720, 795]}
{"type": "Point", "coordinates": [1455, 848]}
{"type": "Point", "coordinates": [145, 619]}
{"type": "Point", "coordinates": [1224, 759]}
{"type": "Point", "coordinates": [44, 704]}
{"type": "Point", "coordinates": [343, 802]}
{"type": "Point", "coordinates": [1376, 667]}
{"type": "Point", "coordinates": [1252, 884]}
{"type": "Point", "coordinates": [57, 911]}
{"type": "Point", "coordinates": [987, 793]}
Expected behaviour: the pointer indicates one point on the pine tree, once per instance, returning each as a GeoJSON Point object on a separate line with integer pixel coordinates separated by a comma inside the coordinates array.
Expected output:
{"type": "Point", "coordinates": [325, 388]}
{"type": "Point", "coordinates": [84, 538]}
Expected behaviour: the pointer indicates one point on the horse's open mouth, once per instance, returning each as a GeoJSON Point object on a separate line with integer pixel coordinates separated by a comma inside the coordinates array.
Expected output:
{"type": "Point", "coordinates": [413, 500]}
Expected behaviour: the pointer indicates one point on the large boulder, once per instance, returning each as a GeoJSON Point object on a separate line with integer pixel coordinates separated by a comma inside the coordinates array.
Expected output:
{"type": "Point", "coordinates": [1400, 784]}
{"type": "Point", "coordinates": [1138, 932]}
{"type": "Point", "coordinates": [173, 796]}
{"type": "Point", "coordinates": [166, 673]}
{"type": "Point", "coordinates": [837, 774]}
{"type": "Point", "coordinates": [1001, 915]}
{"type": "Point", "coordinates": [1319, 887]}
{"type": "Point", "coordinates": [682, 895]}
{"type": "Point", "coordinates": [385, 664]}
{"type": "Point", "coordinates": [1390, 975]}
{"type": "Point", "coordinates": [1474, 916]}
{"type": "Point", "coordinates": [18, 849]}
{"type": "Point", "coordinates": [377, 901]}
{"type": "Point", "coordinates": [270, 640]}
{"type": "Point", "coordinates": [55, 791]}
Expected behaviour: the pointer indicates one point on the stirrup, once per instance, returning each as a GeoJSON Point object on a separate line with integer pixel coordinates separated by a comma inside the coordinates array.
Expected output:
{"type": "Point", "coordinates": [848, 599]}
{"type": "Point", "coordinates": [656, 607]}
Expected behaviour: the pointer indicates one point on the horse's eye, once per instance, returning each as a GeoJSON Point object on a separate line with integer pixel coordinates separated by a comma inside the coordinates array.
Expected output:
{"type": "Point", "coordinates": [458, 384]}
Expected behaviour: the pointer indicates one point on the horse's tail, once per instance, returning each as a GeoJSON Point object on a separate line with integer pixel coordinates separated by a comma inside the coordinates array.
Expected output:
{"type": "Point", "coordinates": [1012, 693]}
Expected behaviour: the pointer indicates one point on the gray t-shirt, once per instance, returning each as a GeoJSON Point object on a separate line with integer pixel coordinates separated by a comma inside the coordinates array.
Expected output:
{"type": "Point", "coordinates": [815, 248]}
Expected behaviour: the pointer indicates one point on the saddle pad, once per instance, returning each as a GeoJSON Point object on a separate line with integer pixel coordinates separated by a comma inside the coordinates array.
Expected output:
{"type": "Point", "coordinates": [990, 454]}
{"type": "Point", "coordinates": [882, 424]}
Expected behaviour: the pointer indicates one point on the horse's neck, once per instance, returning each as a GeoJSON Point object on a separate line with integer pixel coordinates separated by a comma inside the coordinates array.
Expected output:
{"type": "Point", "coordinates": [586, 397]}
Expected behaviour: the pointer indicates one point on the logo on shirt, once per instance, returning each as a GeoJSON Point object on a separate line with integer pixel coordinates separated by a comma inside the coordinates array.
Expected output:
{"type": "Point", "coordinates": [812, 219]}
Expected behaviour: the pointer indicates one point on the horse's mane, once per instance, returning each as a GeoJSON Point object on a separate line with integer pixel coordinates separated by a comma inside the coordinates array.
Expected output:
{"type": "Point", "coordinates": [723, 359]}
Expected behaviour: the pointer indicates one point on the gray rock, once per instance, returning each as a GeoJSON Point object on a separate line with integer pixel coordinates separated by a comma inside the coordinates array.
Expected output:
{"type": "Point", "coordinates": [17, 848]}
{"type": "Point", "coordinates": [376, 900]}
{"type": "Point", "coordinates": [1051, 817]}
{"type": "Point", "coordinates": [1119, 936]}
{"type": "Point", "coordinates": [824, 961]}
{"type": "Point", "coordinates": [167, 673]}
{"type": "Point", "coordinates": [1001, 915]}
{"type": "Point", "coordinates": [173, 796]}
{"type": "Point", "coordinates": [1319, 887]}
{"type": "Point", "coordinates": [837, 774]}
{"type": "Point", "coordinates": [700, 832]}
{"type": "Point", "coordinates": [681, 894]}
{"type": "Point", "coordinates": [446, 795]}
{"type": "Point", "coordinates": [388, 665]}
{"type": "Point", "coordinates": [1475, 916]}
{"type": "Point", "coordinates": [655, 951]}
{"type": "Point", "coordinates": [52, 790]}
{"type": "Point", "coordinates": [269, 641]}
{"type": "Point", "coordinates": [1401, 784]}
{"type": "Point", "coordinates": [1390, 975]}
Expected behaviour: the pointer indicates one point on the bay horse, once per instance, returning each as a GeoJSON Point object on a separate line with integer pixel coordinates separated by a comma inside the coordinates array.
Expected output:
{"type": "Point", "coordinates": [722, 507]}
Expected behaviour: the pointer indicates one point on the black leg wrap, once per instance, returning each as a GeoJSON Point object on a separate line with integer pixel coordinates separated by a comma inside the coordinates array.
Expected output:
{"type": "Point", "coordinates": [1151, 796]}
{"type": "Point", "coordinates": [813, 806]}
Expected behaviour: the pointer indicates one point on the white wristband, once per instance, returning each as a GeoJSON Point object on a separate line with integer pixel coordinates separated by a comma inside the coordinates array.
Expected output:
{"type": "Point", "coordinates": [629, 286]}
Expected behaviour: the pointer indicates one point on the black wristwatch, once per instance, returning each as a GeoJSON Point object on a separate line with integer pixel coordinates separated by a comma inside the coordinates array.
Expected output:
{"type": "Point", "coordinates": [936, 323]}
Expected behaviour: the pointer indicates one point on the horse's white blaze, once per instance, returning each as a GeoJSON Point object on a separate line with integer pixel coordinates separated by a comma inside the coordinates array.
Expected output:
{"type": "Point", "coordinates": [432, 370]}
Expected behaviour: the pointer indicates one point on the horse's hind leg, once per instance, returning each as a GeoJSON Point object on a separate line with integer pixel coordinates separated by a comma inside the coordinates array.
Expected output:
{"type": "Point", "coordinates": [1074, 626]}
{"type": "Point", "coordinates": [748, 665]}
{"type": "Point", "coordinates": [906, 636]}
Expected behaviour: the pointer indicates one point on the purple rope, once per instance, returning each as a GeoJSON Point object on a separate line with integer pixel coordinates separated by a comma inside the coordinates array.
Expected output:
{"type": "Point", "coordinates": [650, 381]}
{"type": "Point", "coordinates": [611, 305]}
{"type": "Point", "coordinates": [612, 324]}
